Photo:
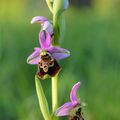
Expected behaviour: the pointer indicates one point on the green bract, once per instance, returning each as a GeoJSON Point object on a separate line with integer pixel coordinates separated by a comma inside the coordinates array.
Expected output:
{"type": "Point", "coordinates": [59, 6]}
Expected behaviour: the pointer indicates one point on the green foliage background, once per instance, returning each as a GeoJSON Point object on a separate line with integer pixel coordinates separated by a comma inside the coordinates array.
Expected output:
{"type": "Point", "coordinates": [93, 37]}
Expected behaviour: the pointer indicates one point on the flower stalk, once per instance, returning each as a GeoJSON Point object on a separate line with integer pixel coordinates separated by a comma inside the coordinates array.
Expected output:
{"type": "Point", "coordinates": [54, 93]}
{"type": "Point", "coordinates": [55, 40]}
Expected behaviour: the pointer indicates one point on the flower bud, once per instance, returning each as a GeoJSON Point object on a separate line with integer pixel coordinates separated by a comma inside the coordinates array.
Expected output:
{"type": "Point", "coordinates": [59, 6]}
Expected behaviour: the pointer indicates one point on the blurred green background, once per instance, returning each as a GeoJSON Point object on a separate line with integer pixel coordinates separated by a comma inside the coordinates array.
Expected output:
{"type": "Point", "coordinates": [93, 37]}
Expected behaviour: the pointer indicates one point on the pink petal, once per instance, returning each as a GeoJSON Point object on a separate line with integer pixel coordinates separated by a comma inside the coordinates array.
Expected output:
{"type": "Point", "coordinates": [44, 39]}
{"type": "Point", "coordinates": [59, 53]}
{"type": "Point", "coordinates": [45, 24]}
{"type": "Point", "coordinates": [34, 58]}
{"type": "Point", "coordinates": [48, 27]}
{"type": "Point", "coordinates": [64, 109]}
{"type": "Point", "coordinates": [73, 93]}
{"type": "Point", "coordinates": [38, 19]}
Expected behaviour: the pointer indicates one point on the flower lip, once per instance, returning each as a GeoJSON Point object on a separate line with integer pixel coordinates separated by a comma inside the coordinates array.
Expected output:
{"type": "Point", "coordinates": [48, 67]}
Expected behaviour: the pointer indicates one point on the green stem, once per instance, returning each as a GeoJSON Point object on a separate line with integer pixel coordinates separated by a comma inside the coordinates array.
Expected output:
{"type": "Point", "coordinates": [42, 100]}
{"type": "Point", "coordinates": [55, 40]}
{"type": "Point", "coordinates": [54, 93]}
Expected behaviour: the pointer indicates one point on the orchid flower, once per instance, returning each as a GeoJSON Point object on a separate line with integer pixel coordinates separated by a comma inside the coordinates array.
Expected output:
{"type": "Point", "coordinates": [45, 24]}
{"type": "Point", "coordinates": [71, 109]}
{"type": "Point", "coordinates": [47, 56]}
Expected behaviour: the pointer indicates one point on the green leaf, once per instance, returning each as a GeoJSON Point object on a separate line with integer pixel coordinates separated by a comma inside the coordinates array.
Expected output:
{"type": "Point", "coordinates": [42, 100]}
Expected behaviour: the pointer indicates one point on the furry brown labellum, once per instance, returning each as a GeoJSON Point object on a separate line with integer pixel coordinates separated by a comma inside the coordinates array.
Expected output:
{"type": "Point", "coordinates": [47, 66]}
{"type": "Point", "coordinates": [77, 115]}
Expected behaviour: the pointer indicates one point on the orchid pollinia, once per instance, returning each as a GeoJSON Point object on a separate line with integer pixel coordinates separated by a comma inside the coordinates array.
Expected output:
{"type": "Point", "coordinates": [47, 57]}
